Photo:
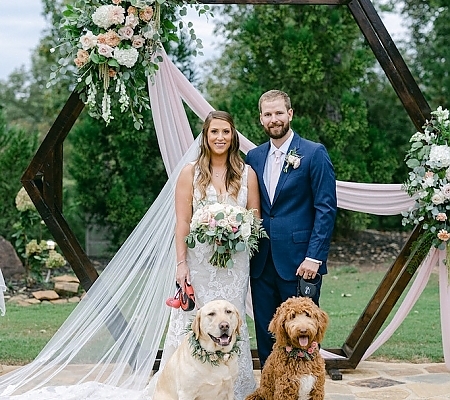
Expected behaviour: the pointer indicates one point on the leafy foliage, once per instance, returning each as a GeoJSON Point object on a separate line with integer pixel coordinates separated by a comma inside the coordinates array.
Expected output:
{"type": "Point", "coordinates": [16, 150]}
{"type": "Point", "coordinates": [118, 173]}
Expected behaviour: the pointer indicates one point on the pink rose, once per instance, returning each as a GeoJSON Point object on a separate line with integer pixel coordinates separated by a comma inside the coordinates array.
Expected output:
{"type": "Point", "coordinates": [105, 50]}
{"type": "Point", "coordinates": [137, 41]}
{"type": "Point", "coordinates": [441, 217]}
{"type": "Point", "coordinates": [288, 349]}
{"type": "Point", "coordinates": [126, 32]}
{"type": "Point", "coordinates": [212, 223]}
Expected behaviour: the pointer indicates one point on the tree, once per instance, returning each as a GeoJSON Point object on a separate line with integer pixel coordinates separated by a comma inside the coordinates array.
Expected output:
{"type": "Point", "coordinates": [430, 56]}
{"type": "Point", "coordinates": [118, 173]}
{"type": "Point", "coordinates": [16, 150]}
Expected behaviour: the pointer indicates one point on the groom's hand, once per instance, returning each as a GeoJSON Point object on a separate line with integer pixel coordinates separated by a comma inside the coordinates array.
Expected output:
{"type": "Point", "coordinates": [308, 269]}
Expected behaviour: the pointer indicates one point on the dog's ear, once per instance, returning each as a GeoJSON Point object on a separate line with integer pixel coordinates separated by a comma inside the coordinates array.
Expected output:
{"type": "Point", "coordinates": [322, 324]}
{"type": "Point", "coordinates": [239, 321]}
{"type": "Point", "coordinates": [196, 324]}
{"type": "Point", "coordinates": [276, 325]}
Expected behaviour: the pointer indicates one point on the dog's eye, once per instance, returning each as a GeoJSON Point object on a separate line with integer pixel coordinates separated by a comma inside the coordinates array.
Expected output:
{"type": "Point", "coordinates": [228, 311]}
{"type": "Point", "coordinates": [307, 314]}
{"type": "Point", "coordinates": [212, 313]}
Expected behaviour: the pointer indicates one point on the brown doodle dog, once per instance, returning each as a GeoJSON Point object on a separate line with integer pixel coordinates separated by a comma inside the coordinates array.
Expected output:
{"type": "Point", "coordinates": [295, 370]}
{"type": "Point", "coordinates": [205, 365]}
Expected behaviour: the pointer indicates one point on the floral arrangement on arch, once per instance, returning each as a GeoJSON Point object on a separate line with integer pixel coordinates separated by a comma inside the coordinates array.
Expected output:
{"type": "Point", "coordinates": [228, 229]}
{"type": "Point", "coordinates": [113, 45]}
{"type": "Point", "coordinates": [429, 179]}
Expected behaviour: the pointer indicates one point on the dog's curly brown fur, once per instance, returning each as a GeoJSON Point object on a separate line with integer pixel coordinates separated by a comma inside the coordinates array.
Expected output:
{"type": "Point", "coordinates": [287, 378]}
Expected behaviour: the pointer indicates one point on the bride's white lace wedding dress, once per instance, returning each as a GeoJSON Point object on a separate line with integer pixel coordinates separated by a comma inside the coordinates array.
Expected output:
{"type": "Point", "coordinates": [212, 283]}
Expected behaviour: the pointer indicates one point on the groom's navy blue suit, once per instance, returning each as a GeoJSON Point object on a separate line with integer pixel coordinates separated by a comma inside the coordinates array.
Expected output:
{"type": "Point", "coordinates": [299, 222]}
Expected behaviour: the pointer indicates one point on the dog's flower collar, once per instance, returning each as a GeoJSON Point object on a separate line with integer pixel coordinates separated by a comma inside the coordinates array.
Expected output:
{"type": "Point", "coordinates": [308, 354]}
{"type": "Point", "coordinates": [211, 357]}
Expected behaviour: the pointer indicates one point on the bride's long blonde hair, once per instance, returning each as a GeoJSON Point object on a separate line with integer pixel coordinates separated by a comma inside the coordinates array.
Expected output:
{"type": "Point", "coordinates": [235, 165]}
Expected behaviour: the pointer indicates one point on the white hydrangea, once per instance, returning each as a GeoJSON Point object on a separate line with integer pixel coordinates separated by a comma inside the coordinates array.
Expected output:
{"type": "Point", "coordinates": [127, 57]}
{"type": "Point", "coordinates": [439, 156]}
{"type": "Point", "coordinates": [441, 115]}
{"type": "Point", "coordinates": [108, 15]}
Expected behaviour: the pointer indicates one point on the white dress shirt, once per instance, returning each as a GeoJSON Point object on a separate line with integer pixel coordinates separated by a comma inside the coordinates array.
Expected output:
{"type": "Point", "coordinates": [271, 157]}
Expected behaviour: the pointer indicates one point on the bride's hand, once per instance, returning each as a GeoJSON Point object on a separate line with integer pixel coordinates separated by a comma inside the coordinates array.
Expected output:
{"type": "Point", "coordinates": [182, 274]}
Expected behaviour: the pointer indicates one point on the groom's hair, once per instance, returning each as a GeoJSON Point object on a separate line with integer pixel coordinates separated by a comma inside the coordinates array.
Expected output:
{"type": "Point", "coordinates": [271, 95]}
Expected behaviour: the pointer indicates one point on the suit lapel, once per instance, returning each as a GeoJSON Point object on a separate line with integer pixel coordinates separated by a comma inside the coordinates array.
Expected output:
{"type": "Point", "coordinates": [262, 159]}
{"type": "Point", "coordinates": [295, 144]}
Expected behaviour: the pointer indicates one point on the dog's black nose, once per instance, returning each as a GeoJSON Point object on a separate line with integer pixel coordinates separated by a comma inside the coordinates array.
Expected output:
{"type": "Point", "coordinates": [224, 326]}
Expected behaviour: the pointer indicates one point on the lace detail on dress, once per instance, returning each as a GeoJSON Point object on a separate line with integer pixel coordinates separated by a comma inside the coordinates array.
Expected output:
{"type": "Point", "coordinates": [212, 283]}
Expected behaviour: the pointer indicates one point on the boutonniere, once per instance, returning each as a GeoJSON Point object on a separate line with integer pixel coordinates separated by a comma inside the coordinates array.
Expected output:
{"type": "Point", "coordinates": [292, 158]}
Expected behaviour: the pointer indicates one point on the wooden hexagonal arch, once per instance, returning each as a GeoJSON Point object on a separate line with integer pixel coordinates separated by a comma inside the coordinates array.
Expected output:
{"type": "Point", "coordinates": [43, 180]}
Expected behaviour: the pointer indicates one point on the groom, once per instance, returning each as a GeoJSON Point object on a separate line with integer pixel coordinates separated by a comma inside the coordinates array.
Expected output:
{"type": "Point", "coordinates": [298, 207]}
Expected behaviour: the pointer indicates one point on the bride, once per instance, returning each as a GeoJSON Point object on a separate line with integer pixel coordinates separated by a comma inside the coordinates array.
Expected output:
{"type": "Point", "coordinates": [218, 175]}
{"type": "Point", "coordinates": [107, 346]}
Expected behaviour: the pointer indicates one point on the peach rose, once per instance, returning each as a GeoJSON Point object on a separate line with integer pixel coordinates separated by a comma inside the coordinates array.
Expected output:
{"type": "Point", "coordinates": [146, 14]}
{"type": "Point", "coordinates": [82, 58]}
{"type": "Point", "coordinates": [443, 235]}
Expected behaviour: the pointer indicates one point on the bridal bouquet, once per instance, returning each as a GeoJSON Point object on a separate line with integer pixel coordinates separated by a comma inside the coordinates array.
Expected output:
{"type": "Point", "coordinates": [429, 181]}
{"type": "Point", "coordinates": [228, 229]}
{"type": "Point", "coordinates": [112, 46]}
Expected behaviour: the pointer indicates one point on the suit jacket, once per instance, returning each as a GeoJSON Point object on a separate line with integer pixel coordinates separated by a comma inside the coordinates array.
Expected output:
{"type": "Point", "coordinates": [301, 219]}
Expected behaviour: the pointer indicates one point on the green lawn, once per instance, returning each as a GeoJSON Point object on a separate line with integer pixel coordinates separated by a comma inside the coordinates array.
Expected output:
{"type": "Point", "coordinates": [345, 293]}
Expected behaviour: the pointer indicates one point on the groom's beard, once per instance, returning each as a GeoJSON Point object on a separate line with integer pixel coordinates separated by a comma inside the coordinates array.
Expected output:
{"type": "Point", "coordinates": [279, 133]}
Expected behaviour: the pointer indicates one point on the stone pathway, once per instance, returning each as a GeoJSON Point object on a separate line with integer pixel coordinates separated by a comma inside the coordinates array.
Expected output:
{"type": "Point", "coordinates": [373, 380]}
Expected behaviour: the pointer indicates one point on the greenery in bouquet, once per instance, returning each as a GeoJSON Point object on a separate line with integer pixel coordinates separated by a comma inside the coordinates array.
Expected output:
{"type": "Point", "coordinates": [228, 229]}
{"type": "Point", "coordinates": [112, 46]}
{"type": "Point", "coordinates": [429, 180]}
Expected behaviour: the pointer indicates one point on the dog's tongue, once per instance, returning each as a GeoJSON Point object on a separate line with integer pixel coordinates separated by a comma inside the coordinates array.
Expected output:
{"type": "Point", "coordinates": [303, 341]}
{"type": "Point", "coordinates": [225, 340]}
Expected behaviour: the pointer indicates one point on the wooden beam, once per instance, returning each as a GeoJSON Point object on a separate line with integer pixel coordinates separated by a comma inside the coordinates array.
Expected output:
{"type": "Point", "coordinates": [43, 182]}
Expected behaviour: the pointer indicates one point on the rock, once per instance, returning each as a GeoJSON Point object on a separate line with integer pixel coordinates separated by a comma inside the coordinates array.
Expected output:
{"type": "Point", "coordinates": [59, 301]}
{"type": "Point", "coordinates": [46, 295]}
{"type": "Point", "coordinates": [66, 288]}
{"type": "Point", "coordinates": [10, 263]}
{"type": "Point", "coordinates": [74, 299]}
{"type": "Point", "coordinates": [65, 278]}
{"type": "Point", "coordinates": [17, 299]}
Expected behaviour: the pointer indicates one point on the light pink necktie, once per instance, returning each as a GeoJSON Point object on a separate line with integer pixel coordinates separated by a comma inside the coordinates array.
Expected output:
{"type": "Point", "coordinates": [275, 173]}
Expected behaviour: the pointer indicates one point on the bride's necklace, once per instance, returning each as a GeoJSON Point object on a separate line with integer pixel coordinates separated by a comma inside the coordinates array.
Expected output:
{"type": "Point", "coordinates": [219, 173]}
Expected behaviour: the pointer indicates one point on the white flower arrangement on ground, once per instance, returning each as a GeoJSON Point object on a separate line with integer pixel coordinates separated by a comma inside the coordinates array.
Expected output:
{"type": "Point", "coordinates": [228, 229]}
{"type": "Point", "coordinates": [429, 181]}
{"type": "Point", "coordinates": [113, 44]}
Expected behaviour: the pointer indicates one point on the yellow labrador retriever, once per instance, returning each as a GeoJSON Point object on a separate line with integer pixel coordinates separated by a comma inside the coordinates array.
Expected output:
{"type": "Point", "coordinates": [205, 365]}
